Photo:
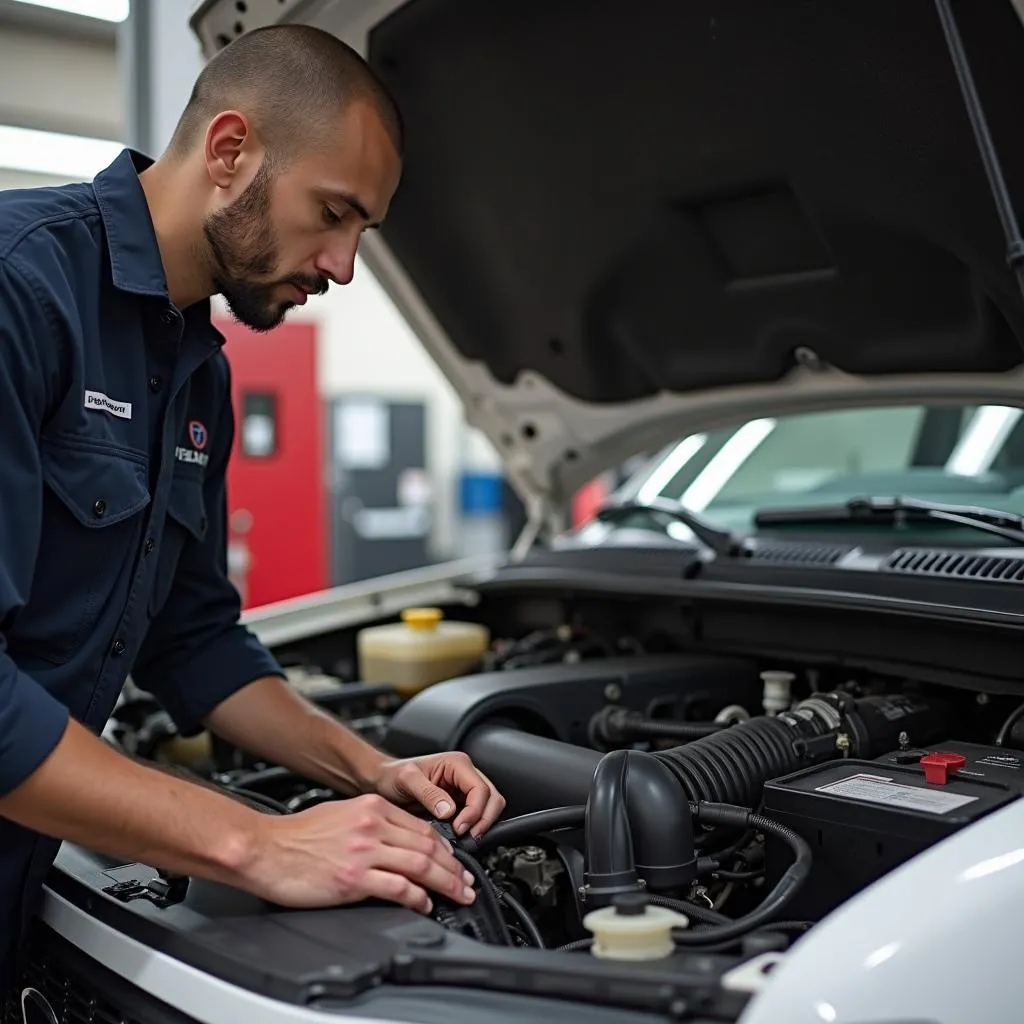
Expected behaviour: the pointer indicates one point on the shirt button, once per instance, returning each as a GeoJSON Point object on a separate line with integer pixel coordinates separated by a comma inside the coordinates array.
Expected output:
{"type": "Point", "coordinates": [118, 648]}
{"type": "Point", "coordinates": [167, 316]}
{"type": "Point", "coordinates": [99, 508]}
{"type": "Point", "coordinates": [149, 545]}
{"type": "Point", "coordinates": [155, 383]}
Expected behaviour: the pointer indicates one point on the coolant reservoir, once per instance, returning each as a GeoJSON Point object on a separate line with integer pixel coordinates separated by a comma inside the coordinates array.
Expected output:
{"type": "Point", "coordinates": [423, 649]}
{"type": "Point", "coordinates": [631, 930]}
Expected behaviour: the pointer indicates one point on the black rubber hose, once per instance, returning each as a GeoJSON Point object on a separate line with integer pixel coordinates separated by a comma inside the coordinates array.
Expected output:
{"type": "Point", "coordinates": [651, 728]}
{"type": "Point", "coordinates": [526, 826]}
{"type": "Point", "coordinates": [1007, 730]}
{"type": "Point", "coordinates": [774, 926]}
{"type": "Point", "coordinates": [487, 900]}
{"type": "Point", "coordinates": [738, 876]}
{"type": "Point", "coordinates": [614, 725]}
{"type": "Point", "coordinates": [785, 889]}
{"type": "Point", "coordinates": [523, 916]}
{"type": "Point", "coordinates": [704, 914]}
{"type": "Point", "coordinates": [732, 765]}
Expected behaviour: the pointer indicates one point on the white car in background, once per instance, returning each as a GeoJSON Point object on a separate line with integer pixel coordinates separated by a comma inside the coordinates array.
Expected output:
{"type": "Point", "coordinates": [767, 707]}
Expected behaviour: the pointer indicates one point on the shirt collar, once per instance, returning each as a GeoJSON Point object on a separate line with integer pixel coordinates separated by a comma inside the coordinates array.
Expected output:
{"type": "Point", "coordinates": [135, 261]}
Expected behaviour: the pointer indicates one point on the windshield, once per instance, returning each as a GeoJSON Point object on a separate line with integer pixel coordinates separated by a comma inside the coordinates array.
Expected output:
{"type": "Point", "coordinates": [957, 454]}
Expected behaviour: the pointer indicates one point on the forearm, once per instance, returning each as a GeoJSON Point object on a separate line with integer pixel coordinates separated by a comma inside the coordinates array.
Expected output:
{"type": "Point", "coordinates": [87, 793]}
{"type": "Point", "coordinates": [270, 720]}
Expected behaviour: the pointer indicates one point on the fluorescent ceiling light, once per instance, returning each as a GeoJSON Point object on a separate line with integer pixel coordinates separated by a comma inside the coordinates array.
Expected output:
{"type": "Point", "coordinates": [63, 156]}
{"type": "Point", "coordinates": [980, 444]}
{"type": "Point", "coordinates": [717, 473]}
{"type": "Point", "coordinates": [669, 466]}
{"type": "Point", "coordinates": [102, 10]}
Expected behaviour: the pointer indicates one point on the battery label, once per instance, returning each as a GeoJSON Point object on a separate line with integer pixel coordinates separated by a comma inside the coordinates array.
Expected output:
{"type": "Point", "coordinates": [878, 789]}
{"type": "Point", "coordinates": [1000, 761]}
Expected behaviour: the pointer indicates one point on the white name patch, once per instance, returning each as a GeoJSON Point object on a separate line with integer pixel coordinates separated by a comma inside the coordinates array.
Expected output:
{"type": "Point", "coordinates": [102, 403]}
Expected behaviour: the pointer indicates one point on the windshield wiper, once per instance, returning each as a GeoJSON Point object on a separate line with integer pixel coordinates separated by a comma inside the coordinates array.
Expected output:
{"type": "Point", "coordinates": [897, 510]}
{"type": "Point", "coordinates": [722, 542]}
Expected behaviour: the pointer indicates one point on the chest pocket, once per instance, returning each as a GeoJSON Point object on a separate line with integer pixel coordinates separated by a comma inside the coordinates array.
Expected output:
{"type": "Point", "coordinates": [186, 523]}
{"type": "Point", "coordinates": [91, 527]}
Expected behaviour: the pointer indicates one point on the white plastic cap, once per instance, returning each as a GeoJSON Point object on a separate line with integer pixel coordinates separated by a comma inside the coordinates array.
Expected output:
{"type": "Point", "coordinates": [646, 936]}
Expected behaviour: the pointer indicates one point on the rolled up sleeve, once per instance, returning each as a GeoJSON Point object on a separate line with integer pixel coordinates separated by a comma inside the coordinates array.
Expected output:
{"type": "Point", "coordinates": [32, 721]}
{"type": "Point", "coordinates": [197, 653]}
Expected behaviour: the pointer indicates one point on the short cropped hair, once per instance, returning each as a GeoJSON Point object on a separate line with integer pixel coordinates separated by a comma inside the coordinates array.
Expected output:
{"type": "Point", "coordinates": [291, 81]}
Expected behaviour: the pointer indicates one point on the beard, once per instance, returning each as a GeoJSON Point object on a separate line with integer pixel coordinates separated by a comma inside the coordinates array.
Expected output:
{"type": "Point", "coordinates": [243, 251]}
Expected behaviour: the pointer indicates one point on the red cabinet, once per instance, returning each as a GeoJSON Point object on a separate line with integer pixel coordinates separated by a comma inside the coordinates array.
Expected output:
{"type": "Point", "coordinates": [276, 495]}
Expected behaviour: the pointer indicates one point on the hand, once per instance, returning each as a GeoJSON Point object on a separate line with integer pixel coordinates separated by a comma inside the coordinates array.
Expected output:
{"type": "Point", "coordinates": [437, 782]}
{"type": "Point", "coordinates": [351, 850]}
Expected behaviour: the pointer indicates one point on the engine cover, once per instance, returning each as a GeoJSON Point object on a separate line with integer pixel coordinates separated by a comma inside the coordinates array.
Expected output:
{"type": "Point", "coordinates": [559, 700]}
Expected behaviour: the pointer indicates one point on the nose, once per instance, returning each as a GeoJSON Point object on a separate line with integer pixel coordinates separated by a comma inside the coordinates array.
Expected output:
{"type": "Point", "coordinates": [337, 260]}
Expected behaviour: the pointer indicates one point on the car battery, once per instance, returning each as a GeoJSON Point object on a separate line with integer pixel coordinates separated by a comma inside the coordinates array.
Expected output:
{"type": "Point", "coordinates": [862, 819]}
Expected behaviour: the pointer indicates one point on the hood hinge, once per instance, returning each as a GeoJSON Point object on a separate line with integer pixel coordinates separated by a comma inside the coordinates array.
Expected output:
{"type": "Point", "coordinates": [544, 519]}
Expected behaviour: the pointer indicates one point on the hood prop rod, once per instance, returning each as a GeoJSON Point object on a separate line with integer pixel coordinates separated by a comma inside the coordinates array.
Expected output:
{"type": "Point", "coordinates": [987, 149]}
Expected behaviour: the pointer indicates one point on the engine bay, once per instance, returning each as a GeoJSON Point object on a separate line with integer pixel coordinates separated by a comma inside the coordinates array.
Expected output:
{"type": "Point", "coordinates": [678, 818]}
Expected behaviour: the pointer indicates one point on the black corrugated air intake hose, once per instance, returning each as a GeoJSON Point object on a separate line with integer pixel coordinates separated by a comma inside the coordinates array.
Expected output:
{"type": "Point", "coordinates": [733, 765]}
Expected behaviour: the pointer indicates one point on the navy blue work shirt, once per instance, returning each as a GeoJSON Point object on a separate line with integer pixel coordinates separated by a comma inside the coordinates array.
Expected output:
{"type": "Point", "coordinates": [115, 430]}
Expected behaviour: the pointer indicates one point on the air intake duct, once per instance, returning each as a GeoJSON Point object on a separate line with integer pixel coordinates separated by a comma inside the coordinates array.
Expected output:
{"type": "Point", "coordinates": [733, 765]}
{"type": "Point", "coordinates": [636, 809]}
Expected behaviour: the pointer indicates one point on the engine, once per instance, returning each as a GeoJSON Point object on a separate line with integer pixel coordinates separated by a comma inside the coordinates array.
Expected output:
{"type": "Point", "coordinates": [745, 800]}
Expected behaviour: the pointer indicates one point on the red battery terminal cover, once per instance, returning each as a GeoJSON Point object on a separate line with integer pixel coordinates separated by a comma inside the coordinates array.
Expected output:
{"type": "Point", "coordinates": [940, 765]}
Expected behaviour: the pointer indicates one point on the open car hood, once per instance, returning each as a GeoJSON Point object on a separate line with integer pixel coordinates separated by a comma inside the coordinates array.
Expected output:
{"type": "Point", "coordinates": [619, 223]}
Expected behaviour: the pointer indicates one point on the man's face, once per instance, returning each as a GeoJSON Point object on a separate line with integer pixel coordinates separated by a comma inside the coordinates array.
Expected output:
{"type": "Point", "coordinates": [292, 232]}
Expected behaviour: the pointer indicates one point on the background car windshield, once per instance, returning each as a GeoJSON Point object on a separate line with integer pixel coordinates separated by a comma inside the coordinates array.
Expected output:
{"type": "Point", "coordinates": [968, 454]}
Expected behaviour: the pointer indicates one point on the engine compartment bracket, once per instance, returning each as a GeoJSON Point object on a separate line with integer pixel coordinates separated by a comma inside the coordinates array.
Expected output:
{"type": "Point", "coordinates": [694, 991]}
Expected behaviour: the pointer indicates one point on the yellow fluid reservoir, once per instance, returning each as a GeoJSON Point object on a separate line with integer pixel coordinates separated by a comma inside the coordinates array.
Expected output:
{"type": "Point", "coordinates": [423, 649]}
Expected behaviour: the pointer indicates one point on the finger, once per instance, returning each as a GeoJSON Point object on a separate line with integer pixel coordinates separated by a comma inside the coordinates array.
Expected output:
{"type": "Point", "coordinates": [493, 810]}
{"type": "Point", "coordinates": [405, 830]}
{"type": "Point", "coordinates": [477, 792]}
{"type": "Point", "coordinates": [402, 819]}
{"type": "Point", "coordinates": [392, 826]}
{"type": "Point", "coordinates": [422, 869]}
{"type": "Point", "coordinates": [385, 885]}
{"type": "Point", "coordinates": [435, 846]}
{"type": "Point", "coordinates": [413, 780]}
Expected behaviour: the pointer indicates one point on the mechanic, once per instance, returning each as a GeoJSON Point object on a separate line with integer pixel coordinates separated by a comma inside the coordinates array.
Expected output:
{"type": "Point", "coordinates": [116, 426]}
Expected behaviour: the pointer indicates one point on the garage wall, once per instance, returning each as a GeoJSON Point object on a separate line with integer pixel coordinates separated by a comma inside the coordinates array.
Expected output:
{"type": "Point", "coordinates": [367, 347]}
{"type": "Point", "coordinates": [20, 179]}
{"type": "Point", "coordinates": [59, 84]}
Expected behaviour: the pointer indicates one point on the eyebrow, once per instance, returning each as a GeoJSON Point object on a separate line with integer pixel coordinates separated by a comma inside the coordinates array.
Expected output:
{"type": "Point", "coordinates": [356, 204]}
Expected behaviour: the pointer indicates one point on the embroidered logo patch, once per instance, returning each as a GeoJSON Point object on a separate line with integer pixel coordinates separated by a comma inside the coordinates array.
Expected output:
{"type": "Point", "coordinates": [198, 437]}
{"type": "Point", "coordinates": [100, 402]}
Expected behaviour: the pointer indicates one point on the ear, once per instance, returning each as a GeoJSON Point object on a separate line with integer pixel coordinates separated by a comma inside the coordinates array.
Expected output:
{"type": "Point", "coordinates": [229, 141]}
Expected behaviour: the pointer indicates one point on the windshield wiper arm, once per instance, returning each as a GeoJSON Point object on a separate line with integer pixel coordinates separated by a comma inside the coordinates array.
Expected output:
{"type": "Point", "coordinates": [722, 542]}
{"type": "Point", "coordinates": [1007, 525]}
